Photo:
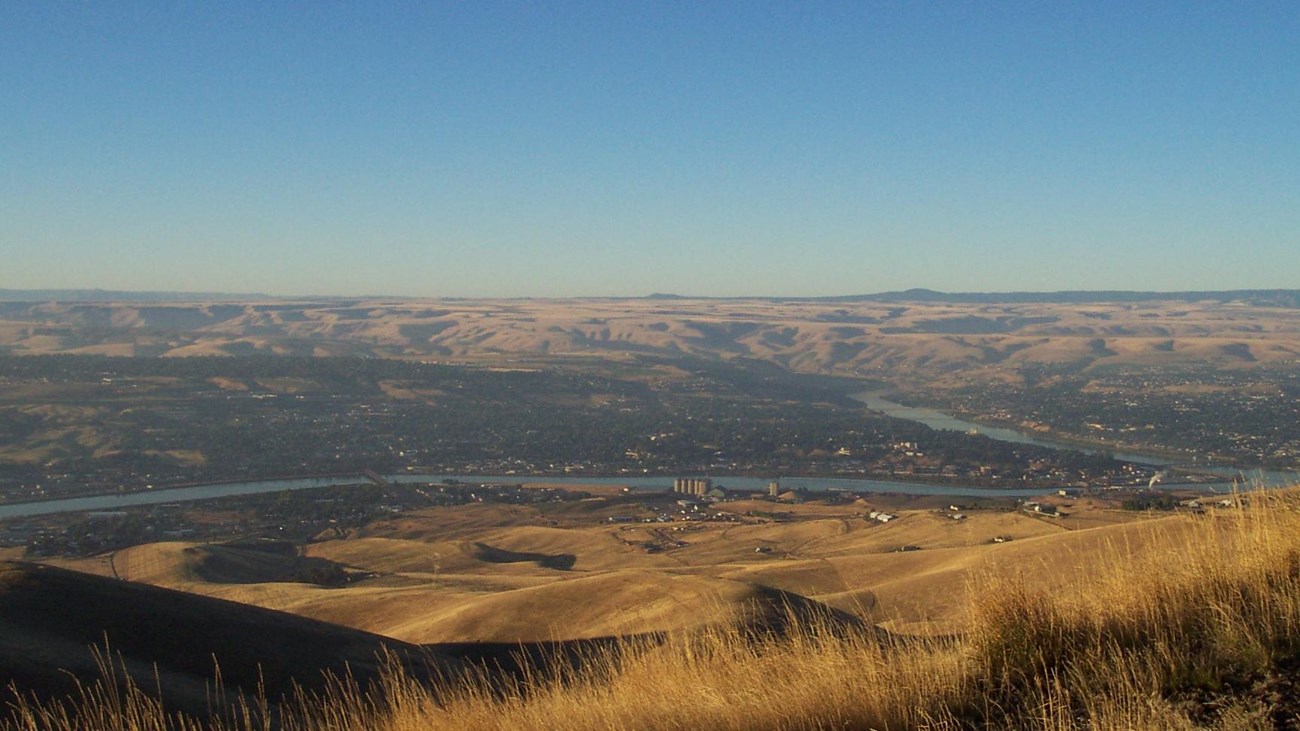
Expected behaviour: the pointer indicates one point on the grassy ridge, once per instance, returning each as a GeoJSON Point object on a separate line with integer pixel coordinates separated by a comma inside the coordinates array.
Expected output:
{"type": "Point", "coordinates": [1199, 629]}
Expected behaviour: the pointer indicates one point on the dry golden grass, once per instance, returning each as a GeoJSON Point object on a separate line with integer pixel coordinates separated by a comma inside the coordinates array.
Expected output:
{"type": "Point", "coordinates": [459, 574]}
{"type": "Point", "coordinates": [1170, 624]}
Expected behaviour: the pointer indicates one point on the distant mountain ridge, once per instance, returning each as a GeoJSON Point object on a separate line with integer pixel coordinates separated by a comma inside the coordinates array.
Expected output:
{"type": "Point", "coordinates": [916, 329]}
{"type": "Point", "coordinates": [110, 295]}
{"type": "Point", "coordinates": [1260, 297]}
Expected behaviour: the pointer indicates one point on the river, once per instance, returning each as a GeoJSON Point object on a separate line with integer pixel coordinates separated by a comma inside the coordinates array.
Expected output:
{"type": "Point", "coordinates": [106, 503]}
{"type": "Point", "coordinates": [939, 420]}
{"type": "Point", "coordinates": [871, 399]}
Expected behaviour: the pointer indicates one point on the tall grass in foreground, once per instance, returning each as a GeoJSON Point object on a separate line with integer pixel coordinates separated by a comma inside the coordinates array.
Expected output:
{"type": "Point", "coordinates": [1173, 636]}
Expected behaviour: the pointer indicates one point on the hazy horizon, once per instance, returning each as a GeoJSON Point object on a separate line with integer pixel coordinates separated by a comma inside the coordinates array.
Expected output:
{"type": "Point", "coordinates": [719, 149]}
{"type": "Point", "coordinates": [100, 294]}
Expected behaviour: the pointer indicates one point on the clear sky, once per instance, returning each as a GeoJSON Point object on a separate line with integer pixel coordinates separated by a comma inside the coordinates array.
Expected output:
{"type": "Point", "coordinates": [620, 148]}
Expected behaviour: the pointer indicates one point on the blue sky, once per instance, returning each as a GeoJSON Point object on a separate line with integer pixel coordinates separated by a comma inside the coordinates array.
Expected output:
{"type": "Point", "coordinates": [568, 149]}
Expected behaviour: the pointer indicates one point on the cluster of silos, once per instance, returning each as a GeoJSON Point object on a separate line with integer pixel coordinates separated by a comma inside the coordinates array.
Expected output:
{"type": "Point", "coordinates": [696, 486]}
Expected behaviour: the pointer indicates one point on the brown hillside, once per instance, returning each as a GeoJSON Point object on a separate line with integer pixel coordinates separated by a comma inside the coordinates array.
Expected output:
{"type": "Point", "coordinates": [50, 618]}
{"type": "Point", "coordinates": [850, 338]}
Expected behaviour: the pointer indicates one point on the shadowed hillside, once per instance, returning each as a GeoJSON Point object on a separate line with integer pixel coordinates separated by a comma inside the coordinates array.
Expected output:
{"type": "Point", "coordinates": [51, 617]}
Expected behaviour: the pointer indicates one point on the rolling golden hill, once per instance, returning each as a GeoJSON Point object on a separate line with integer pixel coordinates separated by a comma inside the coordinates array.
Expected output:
{"type": "Point", "coordinates": [533, 583]}
{"type": "Point", "coordinates": [840, 337]}
{"type": "Point", "coordinates": [1182, 621]}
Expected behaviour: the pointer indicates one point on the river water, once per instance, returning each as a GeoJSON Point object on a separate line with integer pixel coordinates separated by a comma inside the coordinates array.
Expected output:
{"type": "Point", "coordinates": [939, 420]}
{"type": "Point", "coordinates": [870, 399]}
{"type": "Point", "coordinates": [170, 495]}
{"type": "Point", "coordinates": [106, 503]}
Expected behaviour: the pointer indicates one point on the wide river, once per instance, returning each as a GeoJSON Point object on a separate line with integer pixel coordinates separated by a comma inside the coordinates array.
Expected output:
{"type": "Point", "coordinates": [101, 503]}
{"type": "Point", "coordinates": [872, 400]}
{"type": "Point", "coordinates": [939, 420]}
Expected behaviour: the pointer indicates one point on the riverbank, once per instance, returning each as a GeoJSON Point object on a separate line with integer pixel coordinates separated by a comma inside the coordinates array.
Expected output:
{"type": "Point", "coordinates": [935, 419]}
{"type": "Point", "coordinates": [183, 485]}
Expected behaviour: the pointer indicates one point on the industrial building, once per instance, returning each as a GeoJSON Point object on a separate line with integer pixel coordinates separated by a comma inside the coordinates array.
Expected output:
{"type": "Point", "coordinates": [697, 486]}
